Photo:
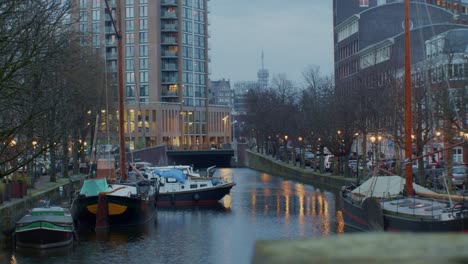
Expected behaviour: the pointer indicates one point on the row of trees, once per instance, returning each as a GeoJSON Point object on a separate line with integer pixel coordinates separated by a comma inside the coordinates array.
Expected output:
{"type": "Point", "coordinates": [325, 114]}
{"type": "Point", "coordinates": [48, 84]}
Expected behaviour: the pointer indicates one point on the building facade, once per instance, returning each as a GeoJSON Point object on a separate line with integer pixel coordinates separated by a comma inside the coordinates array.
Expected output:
{"type": "Point", "coordinates": [165, 69]}
{"type": "Point", "coordinates": [369, 51]}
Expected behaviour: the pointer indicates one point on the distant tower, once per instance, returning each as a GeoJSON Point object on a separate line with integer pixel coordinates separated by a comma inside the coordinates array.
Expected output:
{"type": "Point", "coordinates": [262, 75]}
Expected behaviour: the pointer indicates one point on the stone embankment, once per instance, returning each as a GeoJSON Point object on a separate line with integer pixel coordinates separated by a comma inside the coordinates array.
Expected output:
{"type": "Point", "coordinates": [287, 170]}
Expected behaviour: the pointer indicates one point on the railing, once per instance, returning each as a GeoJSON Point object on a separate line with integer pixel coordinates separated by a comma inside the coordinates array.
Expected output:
{"type": "Point", "coordinates": [169, 27]}
{"type": "Point", "coordinates": [167, 93]}
{"type": "Point", "coordinates": [169, 41]}
{"type": "Point", "coordinates": [169, 15]}
{"type": "Point", "coordinates": [169, 80]}
{"type": "Point", "coordinates": [168, 2]}
{"type": "Point", "coordinates": [169, 54]}
{"type": "Point", "coordinates": [169, 67]}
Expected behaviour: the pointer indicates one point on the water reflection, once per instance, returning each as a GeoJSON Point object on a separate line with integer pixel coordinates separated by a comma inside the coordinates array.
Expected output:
{"type": "Point", "coordinates": [260, 207]}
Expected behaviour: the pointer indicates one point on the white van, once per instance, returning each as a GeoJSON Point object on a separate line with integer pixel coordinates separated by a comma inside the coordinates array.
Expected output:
{"type": "Point", "coordinates": [328, 161]}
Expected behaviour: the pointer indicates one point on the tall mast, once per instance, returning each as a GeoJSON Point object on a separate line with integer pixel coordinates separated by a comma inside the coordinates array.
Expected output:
{"type": "Point", "coordinates": [116, 23]}
{"type": "Point", "coordinates": [408, 115]}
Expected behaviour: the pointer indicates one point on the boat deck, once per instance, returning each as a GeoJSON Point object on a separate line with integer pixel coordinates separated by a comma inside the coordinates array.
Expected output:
{"type": "Point", "coordinates": [415, 206]}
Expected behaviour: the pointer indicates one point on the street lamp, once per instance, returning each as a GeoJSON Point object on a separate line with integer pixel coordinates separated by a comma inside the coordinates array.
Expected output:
{"type": "Point", "coordinates": [286, 149]}
{"type": "Point", "coordinates": [224, 128]}
{"type": "Point", "coordinates": [34, 144]}
{"type": "Point", "coordinates": [301, 162]}
{"type": "Point", "coordinates": [233, 128]}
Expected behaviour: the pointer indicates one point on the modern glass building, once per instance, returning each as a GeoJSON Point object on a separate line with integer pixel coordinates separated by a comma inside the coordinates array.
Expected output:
{"type": "Point", "coordinates": [165, 69]}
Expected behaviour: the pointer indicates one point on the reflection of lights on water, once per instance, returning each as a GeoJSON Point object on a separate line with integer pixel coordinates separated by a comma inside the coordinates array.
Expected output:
{"type": "Point", "coordinates": [300, 193]}
{"type": "Point", "coordinates": [265, 178]}
{"type": "Point", "coordinates": [340, 225]}
{"type": "Point", "coordinates": [325, 216]}
{"type": "Point", "coordinates": [286, 187]}
{"type": "Point", "coordinates": [13, 259]}
{"type": "Point", "coordinates": [254, 202]}
{"type": "Point", "coordinates": [227, 201]}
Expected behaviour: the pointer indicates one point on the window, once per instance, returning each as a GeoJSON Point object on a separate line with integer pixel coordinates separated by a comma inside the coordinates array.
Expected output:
{"type": "Point", "coordinates": [96, 14]}
{"type": "Point", "coordinates": [363, 3]}
{"type": "Point", "coordinates": [143, 11]}
{"type": "Point", "coordinates": [144, 90]}
{"type": "Point", "coordinates": [143, 64]}
{"type": "Point", "coordinates": [143, 50]}
{"type": "Point", "coordinates": [129, 25]}
{"type": "Point", "coordinates": [144, 24]}
{"type": "Point", "coordinates": [129, 12]}
{"type": "Point", "coordinates": [129, 51]}
{"type": "Point", "coordinates": [83, 27]}
{"type": "Point", "coordinates": [143, 37]}
{"type": "Point", "coordinates": [457, 155]}
{"type": "Point", "coordinates": [130, 90]}
{"type": "Point", "coordinates": [129, 64]}
{"type": "Point", "coordinates": [96, 40]}
{"type": "Point", "coordinates": [129, 38]}
{"type": "Point", "coordinates": [130, 78]}
{"type": "Point", "coordinates": [144, 76]}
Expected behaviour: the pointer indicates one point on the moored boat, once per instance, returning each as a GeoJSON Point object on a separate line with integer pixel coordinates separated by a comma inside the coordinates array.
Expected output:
{"type": "Point", "coordinates": [379, 204]}
{"type": "Point", "coordinates": [178, 188]}
{"type": "Point", "coordinates": [395, 204]}
{"type": "Point", "coordinates": [106, 203]}
{"type": "Point", "coordinates": [45, 227]}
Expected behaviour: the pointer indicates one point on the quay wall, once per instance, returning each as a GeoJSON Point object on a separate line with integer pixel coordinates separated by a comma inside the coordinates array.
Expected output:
{"type": "Point", "coordinates": [275, 167]}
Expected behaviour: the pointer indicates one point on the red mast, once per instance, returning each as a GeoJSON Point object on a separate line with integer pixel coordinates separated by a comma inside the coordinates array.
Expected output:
{"type": "Point", "coordinates": [117, 26]}
{"type": "Point", "coordinates": [408, 116]}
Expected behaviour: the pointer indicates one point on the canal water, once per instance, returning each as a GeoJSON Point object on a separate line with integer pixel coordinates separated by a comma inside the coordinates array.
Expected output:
{"type": "Point", "coordinates": [260, 207]}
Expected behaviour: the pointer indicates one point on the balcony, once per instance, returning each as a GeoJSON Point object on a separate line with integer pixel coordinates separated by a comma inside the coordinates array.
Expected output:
{"type": "Point", "coordinates": [169, 54]}
{"type": "Point", "coordinates": [168, 2]}
{"type": "Point", "coordinates": [169, 67]}
{"type": "Point", "coordinates": [111, 56]}
{"type": "Point", "coordinates": [169, 15]}
{"type": "Point", "coordinates": [169, 80]}
{"type": "Point", "coordinates": [111, 43]}
{"type": "Point", "coordinates": [167, 93]}
{"type": "Point", "coordinates": [169, 41]}
{"type": "Point", "coordinates": [169, 27]}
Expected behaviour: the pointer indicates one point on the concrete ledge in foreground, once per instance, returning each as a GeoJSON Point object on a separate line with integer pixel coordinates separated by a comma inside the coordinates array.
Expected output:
{"type": "Point", "coordinates": [381, 248]}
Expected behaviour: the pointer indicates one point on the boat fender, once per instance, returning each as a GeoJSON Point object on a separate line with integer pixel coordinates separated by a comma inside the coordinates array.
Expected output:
{"type": "Point", "coordinates": [196, 197]}
{"type": "Point", "coordinates": [129, 194]}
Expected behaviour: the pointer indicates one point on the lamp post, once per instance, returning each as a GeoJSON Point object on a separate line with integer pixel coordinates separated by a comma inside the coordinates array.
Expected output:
{"type": "Point", "coordinates": [33, 180]}
{"type": "Point", "coordinates": [286, 159]}
{"type": "Point", "coordinates": [224, 128]}
{"type": "Point", "coordinates": [375, 157]}
{"type": "Point", "coordinates": [374, 150]}
{"type": "Point", "coordinates": [301, 161]}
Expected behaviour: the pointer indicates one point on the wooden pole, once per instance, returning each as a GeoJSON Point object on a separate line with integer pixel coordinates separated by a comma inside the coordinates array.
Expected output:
{"type": "Point", "coordinates": [408, 117]}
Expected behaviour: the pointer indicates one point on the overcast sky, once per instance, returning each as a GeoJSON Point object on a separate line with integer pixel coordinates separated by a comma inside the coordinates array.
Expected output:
{"type": "Point", "coordinates": [293, 35]}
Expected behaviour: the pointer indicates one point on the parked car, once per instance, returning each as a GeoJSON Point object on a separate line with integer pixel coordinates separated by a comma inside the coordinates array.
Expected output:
{"type": "Point", "coordinates": [309, 158]}
{"type": "Point", "coordinates": [459, 174]}
{"type": "Point", "coordinates": [329, 163]}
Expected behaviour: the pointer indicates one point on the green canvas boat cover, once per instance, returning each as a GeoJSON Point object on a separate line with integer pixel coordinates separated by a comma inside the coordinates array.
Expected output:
{"type": "Point", "coordinates": [94, 187]}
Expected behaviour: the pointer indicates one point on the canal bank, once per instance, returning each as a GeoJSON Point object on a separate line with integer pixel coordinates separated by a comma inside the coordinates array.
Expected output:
{"type": "Point", "coordinates": [12, 210]}
{"type": "Point", "coordinates": [275, 167]}
{"type": "Point", "coordinates": [360, 247]}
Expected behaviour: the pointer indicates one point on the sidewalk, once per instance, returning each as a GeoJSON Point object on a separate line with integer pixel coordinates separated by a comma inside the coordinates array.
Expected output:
{"type": "Point", "coordinates": [42, 184]}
